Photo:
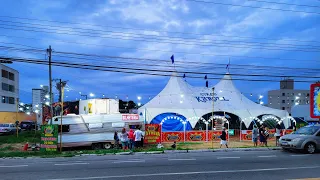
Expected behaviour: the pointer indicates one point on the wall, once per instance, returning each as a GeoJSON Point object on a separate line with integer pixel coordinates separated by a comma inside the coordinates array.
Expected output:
{"type": "Point", "coordinates": [4, 107]}
{"type": "Point", "coordinates": [10, 117]}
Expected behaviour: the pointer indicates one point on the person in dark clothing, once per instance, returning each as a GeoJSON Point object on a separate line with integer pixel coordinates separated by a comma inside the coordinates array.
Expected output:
{"type": "Point", "coordinates": [223, 138]}
{"type": "Point", "coordinates": [262, 136]}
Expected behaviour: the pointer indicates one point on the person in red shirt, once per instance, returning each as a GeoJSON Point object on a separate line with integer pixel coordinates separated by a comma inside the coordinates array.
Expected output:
{"type": "Point", "coordinates": [131, 139]}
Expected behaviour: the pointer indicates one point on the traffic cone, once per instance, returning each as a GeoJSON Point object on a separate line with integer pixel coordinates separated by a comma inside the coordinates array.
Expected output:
{"type": "Point", "coordinates": [25, 148]}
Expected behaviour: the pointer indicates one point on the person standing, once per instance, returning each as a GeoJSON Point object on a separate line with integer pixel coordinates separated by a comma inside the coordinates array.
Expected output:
{"type": "Point", "coordinates": [131, 139]}
{"type": "Point", "coordinates": [138, 137]}
{"type": "Point", "coordinates": [223, 138]}
{"type": "Point", "coordinates": [278, 134]}
{"type": "Point", "coordinates": [116, 139]}
{"type": "Point", "coordinates": [262, 136]}
{"type": "Point", "coordinates": [255, 134]}
{"type": "Point", "coordinates": [124, 139]}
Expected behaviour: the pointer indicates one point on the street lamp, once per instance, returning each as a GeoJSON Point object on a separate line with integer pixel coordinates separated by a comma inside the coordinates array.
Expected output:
{"type": "Point", "coordinates": [139, 98]}
{"type": "Point", "coordinates": [91, 95]}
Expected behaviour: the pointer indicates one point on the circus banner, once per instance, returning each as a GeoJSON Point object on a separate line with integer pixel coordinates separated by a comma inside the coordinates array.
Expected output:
{"type": "Point", "coordinates": [172, 136]}
{"type": "Point", "coordinates": [196, 135]}
{"type": "Point", "coordinates": [315, 100]}
{"type": "Point", "coordinates": [215, 135]}
{"type": "Point", "coordinates": [152, 134]}
{"type": "Point", "coordinates": [287, 131]}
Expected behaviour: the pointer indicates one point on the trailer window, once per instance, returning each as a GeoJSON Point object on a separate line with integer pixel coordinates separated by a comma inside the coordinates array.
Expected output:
{"type": "Point", "coordinates": [65, 128]}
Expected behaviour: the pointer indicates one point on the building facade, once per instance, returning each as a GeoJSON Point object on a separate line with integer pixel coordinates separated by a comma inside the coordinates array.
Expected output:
{"type": "Point", "coordinates": [40, 97]}
{"type": "Point", "coordinates": [9, 91]}
{"type": "Point", "coordinates": [287, 97]}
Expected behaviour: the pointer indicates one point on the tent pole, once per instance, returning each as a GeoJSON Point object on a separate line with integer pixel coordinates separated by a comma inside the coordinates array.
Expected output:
{"type": "Point", "coordinates": [240, 130]}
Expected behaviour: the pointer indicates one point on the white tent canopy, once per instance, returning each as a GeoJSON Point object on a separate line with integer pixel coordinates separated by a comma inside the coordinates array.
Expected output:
{"type": "Point", "coordinates": [180, 97]}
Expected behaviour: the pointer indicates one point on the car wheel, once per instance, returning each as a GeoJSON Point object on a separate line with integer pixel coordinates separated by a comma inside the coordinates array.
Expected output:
{"type": "Point", "coordinates": [107, 146]}
{"type": "Point", "coordinates": [310, 148]}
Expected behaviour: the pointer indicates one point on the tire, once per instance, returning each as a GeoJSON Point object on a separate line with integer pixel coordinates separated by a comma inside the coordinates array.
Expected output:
{"type": "Point", "coordinates": [310, 148]}
{"type": "Point", "coordinates": [96, 146]}
{"type": "Point", "coordinates": [107, 145]}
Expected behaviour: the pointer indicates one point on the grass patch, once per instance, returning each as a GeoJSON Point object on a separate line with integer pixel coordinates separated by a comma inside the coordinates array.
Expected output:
{"type": "Point", "coordinates": [26, 136]}
{"type": "Point", "coordinates": [7, 148]}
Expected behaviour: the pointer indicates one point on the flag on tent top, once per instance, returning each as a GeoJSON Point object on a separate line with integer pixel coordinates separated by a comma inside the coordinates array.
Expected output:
{"type": "Point", "coordinates": [207, 84]}
{"type": "Point", "coordinates": [205, 77]}
{"type": "Point", "coordinates": [228, 64]}
{"type": "Point", "coordinates": [172, 59]}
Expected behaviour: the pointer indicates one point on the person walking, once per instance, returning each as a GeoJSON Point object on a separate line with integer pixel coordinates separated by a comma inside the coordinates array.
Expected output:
{"type": "Point", "coordinates": [223, 138]}
{"type": "Point", "coordinates": [278, 134]}
{"type": "Point", "coordinates": [124, 139]}
{"type": "Point", "coordinates": [131, 139]}
{"type": "Point", "coordinates": [255, 134]}
{"type": "Point", "coordinates": [267, 134]}
{"type": "Point", "coordinates": [138, 137]}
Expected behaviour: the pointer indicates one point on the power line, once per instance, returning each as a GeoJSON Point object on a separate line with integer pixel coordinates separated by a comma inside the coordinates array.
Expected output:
{"type": "Point", "coordinates": [142, 70]}
{"type": "Point", "coordinates": [273, 2]}
{"type": "Point", "coordinates": [248, 6]}
{"type": "Point", "coordinates": [149, 30]}
{"type": "Point", "coordinates": [156, 50]}
{"type": "Point", "coordinates": [155, 60]}
{"type": "Point", "coordinates": [161, 42]}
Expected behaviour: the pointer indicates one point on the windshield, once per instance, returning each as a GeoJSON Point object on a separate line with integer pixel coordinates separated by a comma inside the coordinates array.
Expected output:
{"type": "Point", "coordinates": [310, 130]}
{"type": "Point", "coordinates": [4, 125]}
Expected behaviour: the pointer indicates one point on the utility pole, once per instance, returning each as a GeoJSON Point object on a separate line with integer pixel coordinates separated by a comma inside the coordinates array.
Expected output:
{"type": "Point", "coordinates": [49, 51]}
{"type": "Point", "coordinates": [212, 116]}
{"type": "Point", "coordinates": [62, 85]}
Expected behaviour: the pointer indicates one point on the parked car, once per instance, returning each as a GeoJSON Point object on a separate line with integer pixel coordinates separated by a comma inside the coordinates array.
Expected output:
{"type": "Point", "coordinates": [28, 125]}
{"type": "Point", "coordinates": [8, 128]}
{"type": "Point", "coordinates": [306, 138]}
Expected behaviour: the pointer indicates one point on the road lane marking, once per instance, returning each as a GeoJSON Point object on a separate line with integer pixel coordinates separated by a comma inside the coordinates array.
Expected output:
{"type": "Point", "coordinates": [189, 173]}
{"type": "Point", "coordinates": [70, 164]}
{"type": "Point", "coordinates": [298, 155]}
{"type": "Point", "coordinates": [228, 157]}
{"type": "Point", "coordinates": [13, 166]}
{"type": "Point", "coordinates": [137, 161]}
{"type": "Point", "coordinates": [267, 156]}
{"type": "Point", "coordinates": [181, 159]}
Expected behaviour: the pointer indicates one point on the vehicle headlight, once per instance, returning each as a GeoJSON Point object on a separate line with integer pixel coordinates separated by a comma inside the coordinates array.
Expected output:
{"type": "Point", "coordinates": [296, 139]}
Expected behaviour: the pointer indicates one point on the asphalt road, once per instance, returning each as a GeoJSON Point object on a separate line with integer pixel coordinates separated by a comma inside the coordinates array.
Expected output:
{"type": "Point", "coordinates": [205, 165]}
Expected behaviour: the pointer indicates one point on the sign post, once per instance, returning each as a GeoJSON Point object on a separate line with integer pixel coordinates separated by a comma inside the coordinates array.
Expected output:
{"type": "Point", "coordinates": [49, 138]}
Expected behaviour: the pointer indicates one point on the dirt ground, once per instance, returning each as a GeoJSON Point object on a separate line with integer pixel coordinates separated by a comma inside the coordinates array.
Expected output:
{"type": "Point", "coordinates": [12, 147]}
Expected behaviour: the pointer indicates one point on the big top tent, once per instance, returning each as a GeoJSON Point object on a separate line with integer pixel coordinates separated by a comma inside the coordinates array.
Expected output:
{"type": "Point", "coordinates": [179, 103]}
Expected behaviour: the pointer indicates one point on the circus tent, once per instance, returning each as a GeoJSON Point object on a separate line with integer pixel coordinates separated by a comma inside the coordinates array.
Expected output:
{"type": "Point", "coordinates": [180, 101]}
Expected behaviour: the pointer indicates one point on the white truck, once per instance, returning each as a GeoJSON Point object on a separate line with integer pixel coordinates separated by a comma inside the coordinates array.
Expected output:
{"type": "Point", "coordinates": [96, 131]}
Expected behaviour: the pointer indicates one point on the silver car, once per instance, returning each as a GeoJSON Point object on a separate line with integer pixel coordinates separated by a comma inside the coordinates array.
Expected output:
{"type": "Point", "coordinates": [8, 128]}
{"type": "Point", "coordinates": [306, 138]}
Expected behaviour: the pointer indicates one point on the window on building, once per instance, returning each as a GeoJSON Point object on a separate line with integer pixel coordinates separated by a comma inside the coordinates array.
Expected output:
{"type": "Point", "coordinates": [292, 94]}
{"type": "Point", "coordinates": [283, 101]}
{"type": "Point", "coordinates": [278, 97]}
{"type": "Point", "coordinates": [7, 87]}
{"type": "Point", "coordinates": [283, 108]}
{"type": "Point", "coordinates": [5, 73]}
{"type": "Point", "coordinates": [270, 97]}
{"type": "Point", "coordinates": [292, 101]}
{"type": "Point", "coordinates": [7, 100]}
{"type": "Point", "coordinates": [308, 102]}
{"type": "Point", "coordinates": [283, 94]}
{"type": "Point", "coordinates": [11, 100]}
{"type": "Point", "coordinates": [11, 88]}
{"type": "Point", "coordinates": [11, 76]}
{"type": "Point", "coordinates": [307, 94]}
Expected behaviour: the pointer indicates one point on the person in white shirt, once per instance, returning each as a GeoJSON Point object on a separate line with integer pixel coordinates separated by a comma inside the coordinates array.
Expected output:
{"type": "Point", "coordinates": [138, 137]}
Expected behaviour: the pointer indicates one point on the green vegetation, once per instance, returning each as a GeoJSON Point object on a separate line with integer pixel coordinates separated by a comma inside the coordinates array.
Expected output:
{"type": "Point", "coordinates": [27, 136]}
{"type": "Point", "coordinates": [7, 148]}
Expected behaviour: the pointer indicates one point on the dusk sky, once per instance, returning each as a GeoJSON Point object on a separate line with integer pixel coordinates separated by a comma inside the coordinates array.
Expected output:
{"type": "Point", "coordinates": [289, 38]}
